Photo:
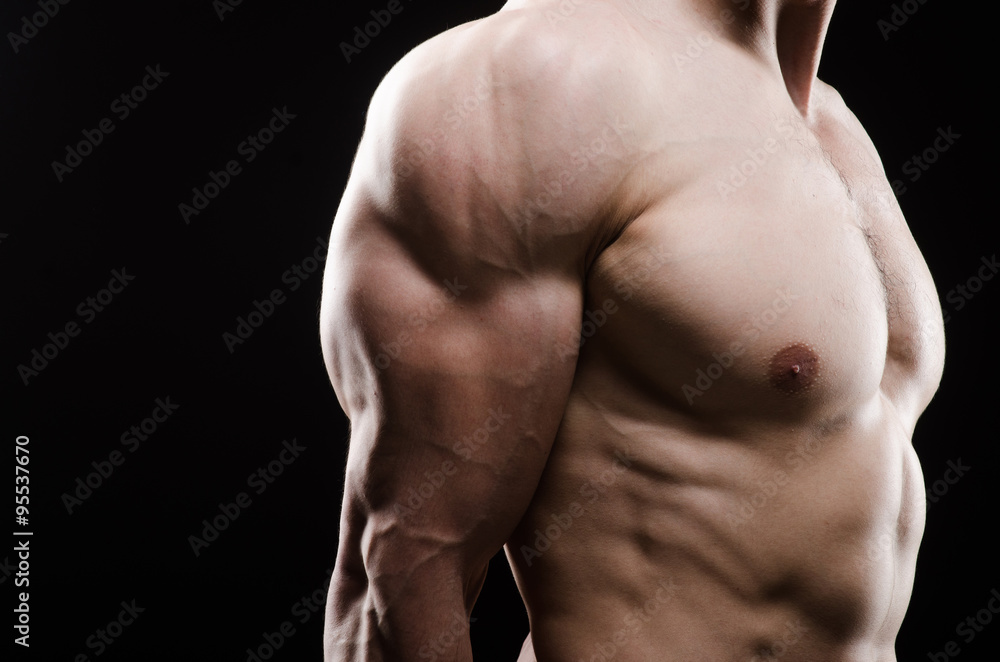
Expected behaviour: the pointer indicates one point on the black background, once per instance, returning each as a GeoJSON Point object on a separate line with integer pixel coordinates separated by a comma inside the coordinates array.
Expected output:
{"type": "Point", "coordinates": [163, 336]}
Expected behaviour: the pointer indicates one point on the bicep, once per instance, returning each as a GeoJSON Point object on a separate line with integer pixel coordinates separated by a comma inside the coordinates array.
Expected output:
{"type": "Point", "coordinates": [455, 378]}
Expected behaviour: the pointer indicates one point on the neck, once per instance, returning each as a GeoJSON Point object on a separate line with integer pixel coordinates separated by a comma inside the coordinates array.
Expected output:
{"type": "Point", "coordinates": [787, 35]}
{"type": "Point", "coordinates": [799, 33]}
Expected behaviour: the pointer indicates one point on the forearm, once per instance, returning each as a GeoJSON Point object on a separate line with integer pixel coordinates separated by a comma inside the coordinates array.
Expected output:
{"type": "Point", "coordinates": [368, 623]}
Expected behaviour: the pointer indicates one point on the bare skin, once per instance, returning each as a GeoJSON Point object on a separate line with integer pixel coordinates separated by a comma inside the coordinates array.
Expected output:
{"type": "Point", "coordinates": [620, 286]}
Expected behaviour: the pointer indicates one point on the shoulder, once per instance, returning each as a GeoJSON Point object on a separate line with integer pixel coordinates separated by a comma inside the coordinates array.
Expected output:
{"type": "Point", "coordinates": [520, 69]}
{"type": "Point", "coordinates": [516, 110]}
{"type": "Point", "coordinates": [833, 111]}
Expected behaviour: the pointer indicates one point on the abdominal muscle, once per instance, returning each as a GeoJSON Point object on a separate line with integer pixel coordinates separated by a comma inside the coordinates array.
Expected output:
{"type": "Point", "coordinates": [656, 537]}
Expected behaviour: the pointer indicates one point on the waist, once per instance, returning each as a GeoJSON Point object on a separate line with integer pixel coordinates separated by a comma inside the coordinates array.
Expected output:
{"type": "Point", "coordinates": [756, 528]}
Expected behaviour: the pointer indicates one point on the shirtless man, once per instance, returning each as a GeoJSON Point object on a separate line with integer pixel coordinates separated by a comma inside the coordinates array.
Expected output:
{"type": "Point", "coordinates": [621, 287]}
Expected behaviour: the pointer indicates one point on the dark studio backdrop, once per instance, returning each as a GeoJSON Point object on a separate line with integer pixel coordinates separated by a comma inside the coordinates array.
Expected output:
{"type": "Point", "coordinates": [127, 300]}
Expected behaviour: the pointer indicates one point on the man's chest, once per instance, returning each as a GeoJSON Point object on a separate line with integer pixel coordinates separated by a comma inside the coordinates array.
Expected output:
{"type": "Point", "coordinates": [777, 243]}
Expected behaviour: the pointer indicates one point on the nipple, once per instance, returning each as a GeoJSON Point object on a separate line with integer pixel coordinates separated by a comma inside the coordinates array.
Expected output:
{"type": "Point", "coordinates": [794, 369]}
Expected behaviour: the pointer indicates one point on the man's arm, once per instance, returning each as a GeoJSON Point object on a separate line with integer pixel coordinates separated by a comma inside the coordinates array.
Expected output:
{"type": "Point", "coordinates": [442, 323]}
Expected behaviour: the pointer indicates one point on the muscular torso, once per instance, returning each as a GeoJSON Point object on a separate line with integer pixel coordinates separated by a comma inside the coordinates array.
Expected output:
{"type": "Point", "coordinates": [734, 476]}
